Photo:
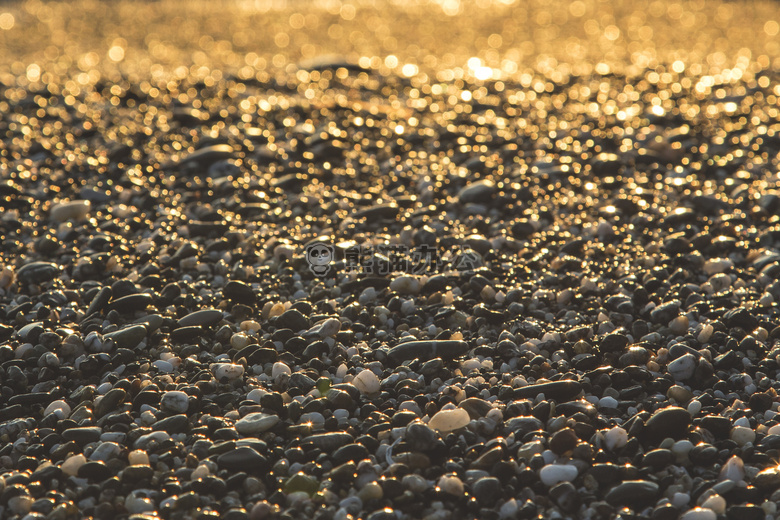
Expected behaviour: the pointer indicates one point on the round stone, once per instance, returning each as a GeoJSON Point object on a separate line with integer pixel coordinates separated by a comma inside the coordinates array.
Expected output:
{"type": "Point", "coordinates": [174, 401]}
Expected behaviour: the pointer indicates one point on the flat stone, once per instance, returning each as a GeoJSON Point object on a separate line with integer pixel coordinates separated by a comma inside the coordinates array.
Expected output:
{"type": "Point", "coordinates": [172, 424]}
{"type": "Point", "coordinates": [329, 441]}
{"type": "Point", "coordinates": [131, 303]}
{"type": "Point", "coordinates": [243, 458]}
{"type": "Point", "coordinates": [70, 210]}
{"type": "Point", "coordinates": [672, 421]}
{"type": "Point", "coordinates": [82, 435]}
{"type": "Point", "coordinates": [561, 391]}
{"type": "Point", "coordinates": [100, 301]}
{"type": "Point", "coordinates": [110, 402]}
{"type": "Point", "coordinates": [523, 425]}
{"type": "Point", "coordinates": [477, 192]}
{"type": "Point", "coordinates": [128, 337]}
{"type": "Point", "coordinates": [475, 407]}
{"type": "Point", "coordinates": [255, 423]}
{"type": "Point", "coordinates": [446, 421]}
{"type": "Point", "coordinates": [292, 319]}
{"type": "Point", "coordinates": [427, 349]}
{"type": "Point", "coordinates": [203, 317]}
{"type": "Point", "coordinates": [37, 272]}
{"type": "Point", "coordinates": [239, 292]}
{"type": "Point", "coordinates": [632, 492]}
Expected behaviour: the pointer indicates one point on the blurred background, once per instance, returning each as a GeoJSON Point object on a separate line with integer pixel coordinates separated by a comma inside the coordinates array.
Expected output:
{"type": "Point", "coordinates": [528, 41]}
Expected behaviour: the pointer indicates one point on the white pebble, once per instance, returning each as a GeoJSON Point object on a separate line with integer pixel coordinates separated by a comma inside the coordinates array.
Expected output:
{"type": "Point", "coordinates": [73, 463]}
{"type": "Point", "coordinates": [554, 473]}
{"type": "Point", "coordinates": [733, 469]}
{"type": "Point", "coordinates": [327, 328]}
{"type": "Point", "coordinates": [367, 382]}
{"type": "Point", "coordinates": [256, 394]}
{"type": "Point", "coordinates": [405, 284]}
{"type": "Point", "coordinates": [706, 333]}
{"type": "Point", "coordinates": [138, 458]}
{"type": "Point", "coordinates": [227, 370]}
{"type": "Point", "coordinates": [239, 340]}
{"type": "Point", "coordinates": [742, 435]}
{"type": "Point", "coordinates": [699, 513]}
{"type": "Point", "coordinates": [715, 502]}
{"type": "Point", "coordinates": [255, 423]}
{"type": "Point", "coordinates": [446, 421]}
{"type": "Point", "coordinates": [60, 408]}
{"type": "Point", "coordinates": [70, 210]}
{"type": "Point", "coordinates": [717, 265]}
{"type": "Point", "coordinates": [681, 449]}
{"type": "Point", "coordinates": [279, 369]}
{"type": "Point", "coordinates": [719, 282]}
{"type": "Point", "coordinates": [694, 407]}
{"type": "Point", "coordinates": [469, 365]}
{"type": "Point", "coordinates": [200, 472]}
{"type": "Point", "coordinates": [315, 418]}
{"type": "Point", "coordinates": [163, 366]}
{"type": "Point", "coordinates": [615, 438]}
{"type": "Point", "coordinates": [450, 484]}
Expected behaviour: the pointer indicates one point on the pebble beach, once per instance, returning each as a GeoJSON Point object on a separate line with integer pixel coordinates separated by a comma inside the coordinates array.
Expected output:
{"type": "Point", "coordinates": [213, 302]}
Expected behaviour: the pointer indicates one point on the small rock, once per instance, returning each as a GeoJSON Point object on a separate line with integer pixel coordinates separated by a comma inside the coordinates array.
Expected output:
{"type": "Point", "coordinates": [450, 484]}
{"type": "Point", "coordinates": [174, 402]}
{"type": "Point", "coordinates": [477, 192]}
{"type": "Point", "coordinates": [615, 438]}
{"type": "Point", "coordinates": [367, 382]}
{"type": "Point", "coordinates": [699, 513]}
{"type": "Point", "coordinates": [632, 492]}
{"type": "Point", "coordinates": [563, 440]}
{"type": "Point", "coordinates": [404, 284]}
{"type": "Point", "coordinates": [70, 210]}
{"type": "Point", "coordinates": [672, 421]}
{"type": "Point", "coordinates": [128, 337]}
{"type": "Point", "coordinates": [255, 423]}
{"type": "Point", "coordinates": [552, 474]}
{"type": "Point", "coordinates": [446, 421]}
{"type": "Point", "coordinates": [227, 371]}
{"type": "Point", "coordinates": [243, 458]}
{"type": "Point", "coordinates": [73, 463]}
{"type": "Point", "coordinates": [742, 435]}
{"type": "Point", "coordinates": [204, 317]}
{"type": "Point", "coordinates": [683, 367]}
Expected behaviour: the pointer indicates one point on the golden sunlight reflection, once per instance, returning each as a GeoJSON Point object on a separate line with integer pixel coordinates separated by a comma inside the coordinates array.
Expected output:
{"type": "Point", "coordinates": [694, 42]}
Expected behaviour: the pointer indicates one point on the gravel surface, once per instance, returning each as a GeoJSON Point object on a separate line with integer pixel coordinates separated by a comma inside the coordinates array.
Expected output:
{"type": "Point", "coordinates": [186, 187]}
